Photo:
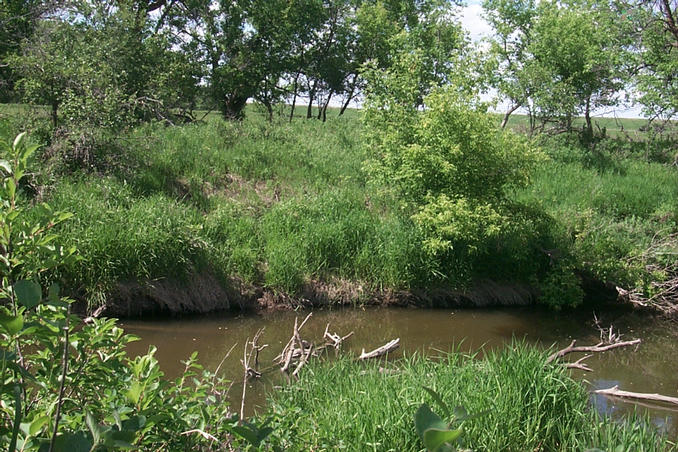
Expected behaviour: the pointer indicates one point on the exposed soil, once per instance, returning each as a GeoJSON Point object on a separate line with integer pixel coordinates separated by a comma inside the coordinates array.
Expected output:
{"type": "Point", "coordinates": [203, 293]}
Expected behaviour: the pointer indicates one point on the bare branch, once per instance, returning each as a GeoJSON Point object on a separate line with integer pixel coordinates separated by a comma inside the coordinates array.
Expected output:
{"type": "Point", "coordinates": [589, 348]}
{"type": "Point", "coordinates": [616, 392]}
{"type": "Point", "coordinates": [384, 349]}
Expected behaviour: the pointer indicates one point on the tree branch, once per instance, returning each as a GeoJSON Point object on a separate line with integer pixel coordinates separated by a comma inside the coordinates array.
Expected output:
{"type": "Point", "coordinates": [589, 348]}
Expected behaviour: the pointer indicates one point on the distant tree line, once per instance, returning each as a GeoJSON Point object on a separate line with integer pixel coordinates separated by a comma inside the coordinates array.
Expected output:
{"type": "Point", "coordinates": [108, 63]}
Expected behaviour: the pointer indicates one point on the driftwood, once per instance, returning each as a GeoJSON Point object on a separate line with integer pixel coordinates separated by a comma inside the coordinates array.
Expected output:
{"type": "Point", "coordinates": [296, 349]}
{"type": "Point", "coordinates": [333, 339]}
{"type": "Point", "coordinates": [616, 392]}
{"type": "Point", "coordinates": [251, 347]}
{"type": "Point", "coordinates": [600, 347]}
{"type": "Point", "coordinates": [95, 315]}
{"type": "Point", "coordinates": [384, 349]}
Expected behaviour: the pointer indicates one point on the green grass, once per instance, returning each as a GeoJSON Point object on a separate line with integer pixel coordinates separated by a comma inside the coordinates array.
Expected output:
{"type": "Point", "coordinates": [612, 208]}
{"type": "Point", "coordinates": [522, 405]}
{"type": "Point", "coordinates": [281, 205]}
{"type": "Point", "coordinates": [275, 205]}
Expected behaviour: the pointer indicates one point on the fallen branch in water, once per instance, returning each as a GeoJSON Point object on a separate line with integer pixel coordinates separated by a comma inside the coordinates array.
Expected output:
{"type": "Point", "coordinates": [303, 360]}
{"type": "Point", "coordinates": [616, 392]}
{"type": "Point", "coordinates": [249, 372]}
{"type": "Point", "coordinates": [291, 350]}
{"type": "Point", "coordinates": [579, 365]}
{"type": "Point", "coordinates": [384, 349]}
{"type": "Point", "coordinates": [333, 339]}
{"type": "Point", "coordinates": [600, 347]}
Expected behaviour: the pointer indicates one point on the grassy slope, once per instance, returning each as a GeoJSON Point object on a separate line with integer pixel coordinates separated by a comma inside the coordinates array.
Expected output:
{"type": "Point", "coordinates": [272, 205]}
{"type": "Point", "coordinates": [280, 205]}
{"type": "Point", "coordinates": [524, 404]}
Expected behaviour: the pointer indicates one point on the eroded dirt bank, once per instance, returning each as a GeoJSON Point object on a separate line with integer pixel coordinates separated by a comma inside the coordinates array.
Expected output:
{"type": "Point", "coordinates": [203, 293]}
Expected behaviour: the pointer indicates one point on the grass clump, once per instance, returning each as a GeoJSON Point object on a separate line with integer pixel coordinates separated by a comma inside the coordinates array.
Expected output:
{"type": "Point", "coordinates": [344, 404]}
{"type": "Point", "coordinates": [123, 238]}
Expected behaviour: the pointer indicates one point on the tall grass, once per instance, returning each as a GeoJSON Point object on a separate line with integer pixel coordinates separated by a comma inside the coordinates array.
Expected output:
{"type": "Point", "coordinates": [612, 207]}
{"type": "Point", "coordinates": [275, 205]}
{"type": "Point", "coordinates": [282, 204]}
{"type": "Point", "coordinates": [523, 405]}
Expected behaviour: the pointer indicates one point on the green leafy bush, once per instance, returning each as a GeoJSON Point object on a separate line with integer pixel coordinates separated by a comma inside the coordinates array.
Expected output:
{"type": "Point", "coordinates": [453, 170]}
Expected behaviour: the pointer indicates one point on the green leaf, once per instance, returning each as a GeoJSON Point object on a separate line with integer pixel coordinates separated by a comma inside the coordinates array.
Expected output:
{"type": "Point", "coordinates": [435, 438]}
{"type": "Point", "coordinates": [37, 424]}
{"type": "Point", "coordinates": [425, 419]}
{"type": "Point", "coordinates": [53, 293]}
{"type": "Point", "coordinates": [134, 423]}
{"type": "Point", "coordinates": [11, 188]}
{"type": "Point", "coordinates": [11, 324]}
{"type": "Point", "coordinates": [134, 392]}
{"type": "Point", "coordinates": [246, 433]}
{"type": "Point", "coordinates": [26, 154]}
{"type": "Point", "coordinates": [28, 293]}
{"type": "Point", "coordinates": [460, 413]}
{"type": "Point", "coordinates": [5, 165]}
{"type": "Point", "coordinates": [18, 140]}
{"type": "Point", "coordinates": [93, 427]}
{"type": "Point", "coordinates": [119, 439]}
{"type": "Point", "coordinates": [436, 397]}
{"type": "Point", "coordinates": [69, 442]}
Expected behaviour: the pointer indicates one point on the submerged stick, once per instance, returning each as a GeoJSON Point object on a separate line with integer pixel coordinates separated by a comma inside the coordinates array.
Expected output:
{"type": "Point", "coordinates": [616, 392]}
{"type": "Point", "coordinates": [384, 349]}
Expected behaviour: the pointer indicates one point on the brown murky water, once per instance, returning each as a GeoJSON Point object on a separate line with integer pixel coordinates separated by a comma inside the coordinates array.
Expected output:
{"type": "Point", "coordinates": [650, 367]}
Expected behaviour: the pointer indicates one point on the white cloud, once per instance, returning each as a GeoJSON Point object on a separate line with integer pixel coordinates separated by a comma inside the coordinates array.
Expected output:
{"type": "Point", "coordinates": [473, 22]}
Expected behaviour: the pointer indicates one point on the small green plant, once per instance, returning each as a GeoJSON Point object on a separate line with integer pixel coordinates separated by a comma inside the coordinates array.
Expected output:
{"type": "Point", "coordinates": [437, 435]}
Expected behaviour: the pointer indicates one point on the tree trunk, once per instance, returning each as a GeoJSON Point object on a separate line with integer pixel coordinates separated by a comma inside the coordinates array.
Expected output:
{"type": "Point", "coordinates": [269, 108]}
{"type": "Point", "coordinates": [327, 102]}
{"type": "Point", "coordinates": [311, 97]}
{"type": "Point", "coordinates": [320, 108]}
{"type": "Point", "coordinates": [233, 106]}
{"type": "Point", "coordinates": [350, 95]}
{"type": "Point", "coordinates": [55, 117]}
{"type": "Point", "coordinates": [294, 96]}
{"type": "Point", "coordinates": [587, 115]}
{"type": "Point", "coordinates": [507, 115]}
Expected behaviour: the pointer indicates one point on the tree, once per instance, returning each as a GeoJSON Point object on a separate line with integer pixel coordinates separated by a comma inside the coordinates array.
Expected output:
{"type": "Point", "coordinates": [512, 22]}
{"type": "Point", "coordinates": [558, 59]}
{"type": "Point", "coordinates": [104, 67]}
{"type": "Point", "coordinates": [655, 27]}
{"type": "Point", "coordinates": [241, 46]}
{"type": "Point", "coordinates": [18, 20]}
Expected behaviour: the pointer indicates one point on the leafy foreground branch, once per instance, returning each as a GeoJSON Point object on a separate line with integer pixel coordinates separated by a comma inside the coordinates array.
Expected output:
{"type": "Point", "coordinates": [95, 397]}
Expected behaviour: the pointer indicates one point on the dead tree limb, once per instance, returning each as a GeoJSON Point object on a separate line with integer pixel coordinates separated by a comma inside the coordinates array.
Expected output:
{"type": "Point", "coordinates": [600, 347]}
{"type": "Point", "coordinates": [384, 349]}
{"type": "Point", "coordinates": [283, 355]}
{"type": "Point", "coordinates": [578, 364]}
{"type": "Point", "coordinates": [303, 360]}
{"type": "Point", "coordinates": [250, 348]}
{"type": "Point", "coordinates": [616, 392]}
{"type": "Point", "coordinates": [333, 339]}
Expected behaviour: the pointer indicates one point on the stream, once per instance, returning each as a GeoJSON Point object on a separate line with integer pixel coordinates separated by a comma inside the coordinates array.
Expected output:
{"type": "Point", "coordinates": [650, 367]}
